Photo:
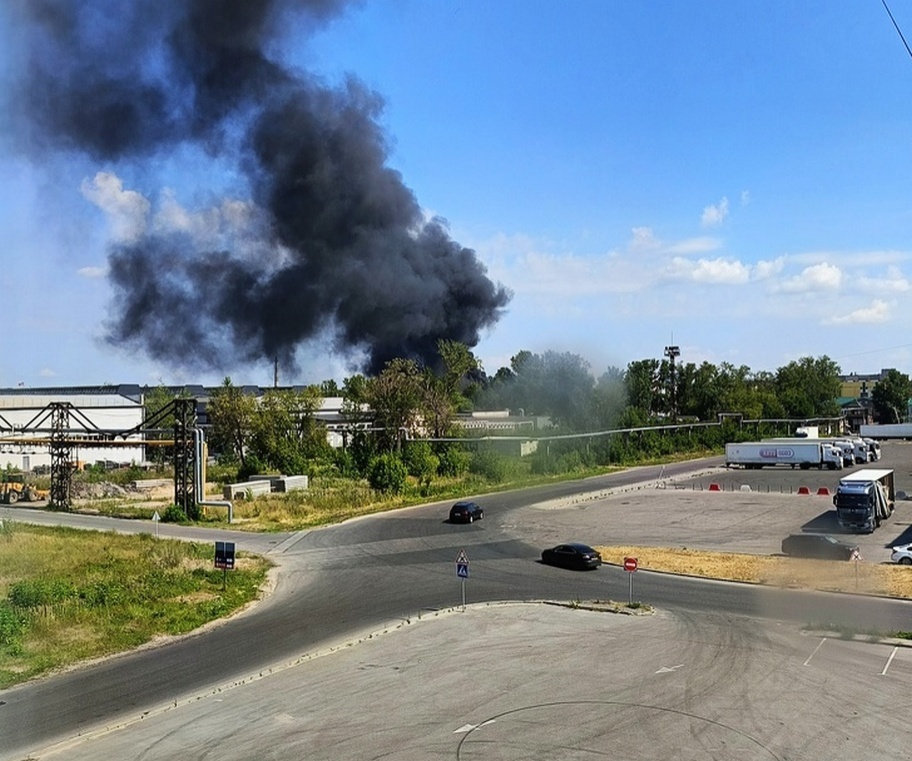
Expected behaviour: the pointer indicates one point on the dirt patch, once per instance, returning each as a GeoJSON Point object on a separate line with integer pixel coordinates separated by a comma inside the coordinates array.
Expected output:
{"type": "Point", "coordinates": [771, 570]}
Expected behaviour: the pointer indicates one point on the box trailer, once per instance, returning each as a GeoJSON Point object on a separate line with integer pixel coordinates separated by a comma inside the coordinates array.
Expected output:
{"type": "Point", "coordinates": [886, 431]}
{"type": "Point", "coordinates": [794, 452]}
{"type": "Point", "coordinates": [856, 451]}
{"type": "Point", "coordinates": [864, 499]}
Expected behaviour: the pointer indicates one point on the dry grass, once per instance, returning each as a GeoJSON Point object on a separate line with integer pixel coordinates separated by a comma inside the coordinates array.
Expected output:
{"type": "Point", "coordinates": [865, 578]}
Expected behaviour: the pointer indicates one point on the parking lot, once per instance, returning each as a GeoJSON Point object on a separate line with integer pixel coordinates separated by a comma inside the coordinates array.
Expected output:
{"type": "Point", "coordinates": [752, 511]}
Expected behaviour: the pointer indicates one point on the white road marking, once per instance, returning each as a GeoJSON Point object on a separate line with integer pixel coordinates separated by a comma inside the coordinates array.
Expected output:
{"type": "Point", "coordinates": [469, 727]}
{"type": "Point", "coordinates": [815, 651]}
{"type": "Point", "coordinates": [889, 661]}
{"type": "Point", "coordinates": [669, 669]}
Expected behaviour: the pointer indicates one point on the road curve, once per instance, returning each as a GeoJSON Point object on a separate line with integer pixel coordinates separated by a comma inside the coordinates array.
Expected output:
{"type": "Point", "coordinates": [340, 581]}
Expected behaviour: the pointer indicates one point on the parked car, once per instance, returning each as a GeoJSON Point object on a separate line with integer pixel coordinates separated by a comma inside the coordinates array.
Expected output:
{"type": "Point", "coordinates": [902, 554]}
{"type": "Point", "coordinates": [572, 555]}
{"type": "Point", "coordinates": [820, 546]}
{"type": "Point", "coordinates": [466, 512]}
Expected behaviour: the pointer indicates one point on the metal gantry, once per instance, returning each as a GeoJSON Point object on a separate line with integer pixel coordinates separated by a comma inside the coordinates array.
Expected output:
{"type": "Point", "coordinates": [61, 456]}
{"type": "Point", "coordinates": [184, 456]}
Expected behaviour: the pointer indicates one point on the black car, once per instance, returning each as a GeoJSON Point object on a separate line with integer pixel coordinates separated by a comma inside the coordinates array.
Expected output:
{"type": "Point", "coordinates": [818, 546]}
{"type": "Point", "coordinates": [466, 512]}
{"type": "Point", "coordinates": [573, 555]}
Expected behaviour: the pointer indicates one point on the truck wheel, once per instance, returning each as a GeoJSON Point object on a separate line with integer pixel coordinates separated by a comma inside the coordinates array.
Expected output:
{"type": "Point", "coordinates": [12, 497]}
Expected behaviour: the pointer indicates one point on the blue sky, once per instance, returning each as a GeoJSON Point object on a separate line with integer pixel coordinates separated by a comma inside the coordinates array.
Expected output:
{"type": "Point", "coordinates": [731, 177]}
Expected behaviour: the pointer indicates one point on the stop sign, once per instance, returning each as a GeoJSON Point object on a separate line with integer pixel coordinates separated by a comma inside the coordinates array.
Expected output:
{"type": "Point", "coordinates": [630, 564]}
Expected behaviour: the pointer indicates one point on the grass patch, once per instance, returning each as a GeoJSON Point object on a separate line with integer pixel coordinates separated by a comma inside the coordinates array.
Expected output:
{"type": "Point", "coordinates": [68, 595]}
{"type": "Point", "coordinates": [795, 573]}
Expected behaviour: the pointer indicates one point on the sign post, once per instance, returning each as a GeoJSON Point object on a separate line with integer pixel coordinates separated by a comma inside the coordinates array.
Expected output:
{"type": "Point", "coordinates": [462, 571]}
{"type": "Point", "coordinates": [630, 565]}
{"type": "Point", "coordinates": [156, 518]}
{"type": "Point", "coordinates": [224, 559]}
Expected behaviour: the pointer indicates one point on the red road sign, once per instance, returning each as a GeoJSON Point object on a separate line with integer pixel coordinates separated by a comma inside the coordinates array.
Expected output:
{"type": "Point", "coordinates": [630, 564]}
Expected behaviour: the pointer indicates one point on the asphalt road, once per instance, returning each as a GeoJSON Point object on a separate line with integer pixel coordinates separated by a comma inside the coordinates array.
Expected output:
{"type": "Point", "coordinates": [510, 682]}
{"type": "Point", "coordinates": [369, 575]}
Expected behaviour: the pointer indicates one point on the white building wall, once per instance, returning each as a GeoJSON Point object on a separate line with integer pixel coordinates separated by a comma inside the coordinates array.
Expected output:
{"type": "Point", "coordinates": [104, 410]}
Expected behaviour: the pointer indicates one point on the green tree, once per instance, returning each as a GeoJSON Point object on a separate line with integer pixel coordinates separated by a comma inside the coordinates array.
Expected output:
{"type": "Point", "coordinates": [809, 387]}
{"type": "Point", "coordinates": [556, 384]}
{"type": "Point", "coordinates": [286, 434]}
{"type": "Point", "coordinates": [395, 398]}
{"type": "Point", "coordinates": [388, 473]}
{"type": "Point", "coordinates": [641, 382]}
{"type": "Point", "coordinates": [891, 397]}
{"type": "Point", "coordinates": [231, 415]}
{"type": "Point", "coordinates": [421, 462]}
{"type": "Point", "coordinates": [609, 398]}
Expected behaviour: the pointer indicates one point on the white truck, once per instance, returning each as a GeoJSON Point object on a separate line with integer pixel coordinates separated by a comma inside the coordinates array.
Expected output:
{"type": "Point", "coordinates": [847, 450]}
{"type": "Point", "coordinates": [874, 448]}
{"type": "Point", "coordinates": [804, 454]}
{"type": "Point", "coordinates": [864, 499]}
{"type": "Point", "coordinates": [855, 450]}
{"type": "Point", "coordinates": [886, 431]}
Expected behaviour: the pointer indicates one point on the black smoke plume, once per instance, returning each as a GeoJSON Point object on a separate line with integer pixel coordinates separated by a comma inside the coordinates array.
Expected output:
{"type": "Point", "coordinates": [133, 83]}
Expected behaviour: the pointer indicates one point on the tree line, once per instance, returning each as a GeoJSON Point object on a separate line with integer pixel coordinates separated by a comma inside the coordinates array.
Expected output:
{"type": "Point", "coordinates": [402, 421]}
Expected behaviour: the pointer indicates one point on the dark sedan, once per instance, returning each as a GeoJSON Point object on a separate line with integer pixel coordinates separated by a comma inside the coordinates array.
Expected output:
{"type": "Point", "coordinates": [819, 546]}
{"type": "Point", "coordinates": [573, 555]}
{"type": "Point", "coordinates": [466, 512]}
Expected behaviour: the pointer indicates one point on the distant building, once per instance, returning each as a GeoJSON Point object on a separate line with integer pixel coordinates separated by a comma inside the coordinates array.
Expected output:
{"type": "Point", "coordinates": [26, 420]}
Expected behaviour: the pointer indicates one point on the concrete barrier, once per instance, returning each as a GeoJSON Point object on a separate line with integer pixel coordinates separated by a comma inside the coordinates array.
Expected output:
{"type": "Point", "coordinates": [290, 483]}
{"type": "Point", "coordinates": [246, 488]}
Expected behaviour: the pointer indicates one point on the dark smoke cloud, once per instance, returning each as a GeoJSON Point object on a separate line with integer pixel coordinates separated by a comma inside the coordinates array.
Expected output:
{"type": "Point", "coordinates": [130, 82]}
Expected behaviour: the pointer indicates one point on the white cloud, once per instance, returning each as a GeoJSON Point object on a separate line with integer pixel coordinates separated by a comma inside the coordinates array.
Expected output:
{"type": "Point", "coordinates": [127, 210]}
{"type": "Point", "coordinates": [92, 272]}
{"type": "Point", "coordinates": [715, 215]}
{"type": "Point", "coordinates": [764, 270]}
{"type": "Point", "coordinates": [817, 277]}
{"type": "Point", "coordinates": [230, 218]}
{"type": "Point", "coordinates": [894, 282]}
{"type": "Point", "coordinates": [849, 258]}
{"type": "Point", "coordinates": [709, 270]}
{"type": "Point", "coordinates": [694, 246]}
{"type": "Point", "coordinates": [878, 312]}
{"type": "Point", "coordinates": [643, 239]}
{"type": "Point", "coordinates": [745, 197]}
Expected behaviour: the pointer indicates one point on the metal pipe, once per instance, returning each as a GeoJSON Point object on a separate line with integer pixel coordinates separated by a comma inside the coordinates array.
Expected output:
{"type": "Point", "coordinates": [198, 485]}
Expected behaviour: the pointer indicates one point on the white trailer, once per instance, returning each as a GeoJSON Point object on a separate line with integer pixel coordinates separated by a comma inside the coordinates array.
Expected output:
{"type": "Point", "coordinates": [855, 451]}
{"type": "Point", "coordinates": [886, 431]}
{"type": "Point", "coordinates": [793, 452]}
{"type": "Point", "coordinates": [864, 499]}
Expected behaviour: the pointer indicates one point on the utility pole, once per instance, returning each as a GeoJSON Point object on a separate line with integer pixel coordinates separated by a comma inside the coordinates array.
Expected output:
{"type": "Point", "coordinates": [671, 352]}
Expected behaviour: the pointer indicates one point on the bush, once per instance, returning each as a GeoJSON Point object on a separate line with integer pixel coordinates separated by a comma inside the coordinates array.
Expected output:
{"type": "Point", "coordinates": [31, 594]}
{"type": "Point", "coordinates": [489, 465]}
{"type": "Point", "coordinates": [387, 473]}
{"type": "Point", "coordinates": [173, 514]}
{"type": "Point", "coordinates": [454, 462]}
{"type": "Point", "coordinates": [420, 461]}
{"type": "Point", "coordinates": [12, 627]}
{"type": "Point", "coordinates": [251, 467]}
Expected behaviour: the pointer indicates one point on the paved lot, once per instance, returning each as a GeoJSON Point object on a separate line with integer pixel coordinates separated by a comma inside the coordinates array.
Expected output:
{"type": "Point", "coordinates": [539, 681]}
{"type": "Point", "coordinates": [521, 681]}
{"type": "Point", "coordinates": [753, 511]}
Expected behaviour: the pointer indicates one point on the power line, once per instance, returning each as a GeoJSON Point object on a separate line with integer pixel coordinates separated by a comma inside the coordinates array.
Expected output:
{"type": "Point", "coordinates": [873, 351]}
{"type": "Point", "coordinates": [896, 27]}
